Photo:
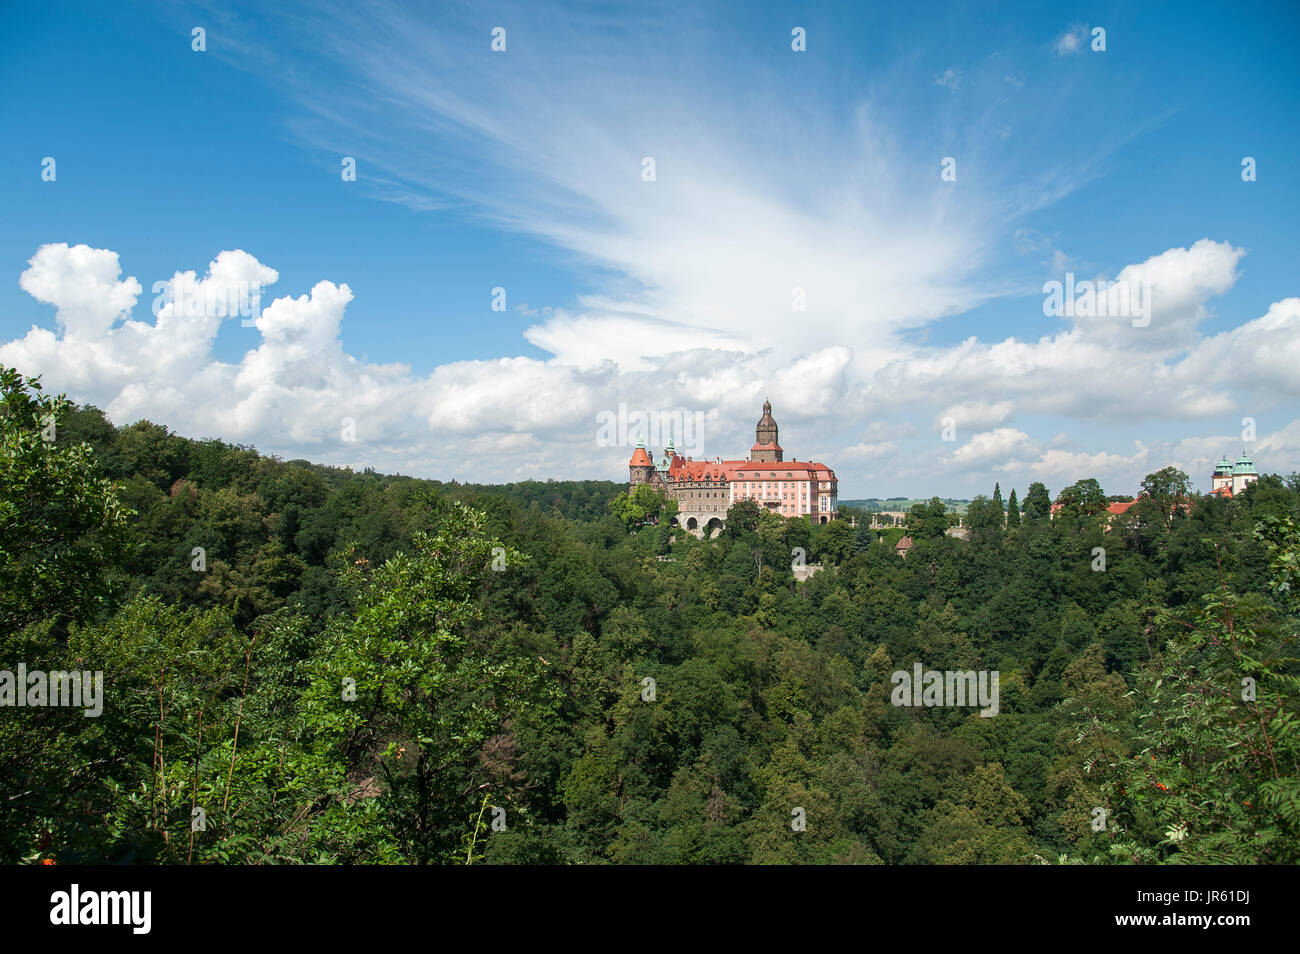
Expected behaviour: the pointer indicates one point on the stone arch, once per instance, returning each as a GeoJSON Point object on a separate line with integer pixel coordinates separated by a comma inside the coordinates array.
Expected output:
{"type": "Point", "coordinates": [692, 523]}
{"type": "Point", "coordinates": [823, 519]}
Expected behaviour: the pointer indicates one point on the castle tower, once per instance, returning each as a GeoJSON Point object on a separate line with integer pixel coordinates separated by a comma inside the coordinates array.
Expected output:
{"type": "Point", "coordinates": [666, 462]}
{"type": "Point", "coordinates": [1222, 477]}
{"type": "Point", "coordinates": [1243, 474]}
{"type": "Point", "coordinates": [766, 449]}
{"type": "Point", "coordinates": [640, 467]}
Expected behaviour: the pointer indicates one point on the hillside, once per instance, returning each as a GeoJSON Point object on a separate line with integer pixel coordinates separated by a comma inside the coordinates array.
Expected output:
{"type": "Point", "coordinates": [344, 667]}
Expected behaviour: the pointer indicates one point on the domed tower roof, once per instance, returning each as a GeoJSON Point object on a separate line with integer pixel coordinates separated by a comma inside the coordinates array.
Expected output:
{"type": "Point", "coordinates": [766, 446]}
{"type": "Point", "coordinates": [639, 457]}
{"type": "Point", "coordinates": [765, 432]}
{"type": "Point", "coordinates": [1244, 465]}
{"type": "Point", "coordinates": [1224, 466]}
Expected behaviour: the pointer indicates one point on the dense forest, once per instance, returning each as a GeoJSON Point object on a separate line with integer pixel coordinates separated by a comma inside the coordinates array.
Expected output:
{"type": "Point", "coordinates": [303, 664]}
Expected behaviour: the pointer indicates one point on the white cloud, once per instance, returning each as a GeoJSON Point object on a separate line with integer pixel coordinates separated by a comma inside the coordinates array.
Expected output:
{"type": "Point", "coordinates": [1098, 368]}
{"type": "Point", "coordinates": [989, 446]}
{"type": "Point", "coordinates": [743, 211]}
{"type": "Point", "coordinates": [870, 451]}
{"type": "Point", "coordinates": [82, 283]}
{"type": "Point", "coordinates": [1277, 451]}
{"type": "Point", "coordinates": [1266, 351]}
{"type": "Point", "coordinates": [516, 417]}
{"type": "Point", "coordinates": [1071, 41]}
{"type": "Point", "coordinates": [949, 78]}
{"type": "Point", "coordinates": [976, 415]}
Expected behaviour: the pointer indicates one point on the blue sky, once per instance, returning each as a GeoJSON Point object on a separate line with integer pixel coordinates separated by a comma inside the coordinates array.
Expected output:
{"type": "Point", "coordinates": [774, 170]}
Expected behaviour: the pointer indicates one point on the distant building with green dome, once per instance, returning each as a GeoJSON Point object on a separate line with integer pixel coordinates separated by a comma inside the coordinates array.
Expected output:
{"type": "Point", "coordinates": [1230, 479]}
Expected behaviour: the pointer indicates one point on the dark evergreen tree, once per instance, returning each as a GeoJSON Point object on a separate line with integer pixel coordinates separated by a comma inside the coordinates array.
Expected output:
{"type": "Point", "coordinates": [1038, 503]}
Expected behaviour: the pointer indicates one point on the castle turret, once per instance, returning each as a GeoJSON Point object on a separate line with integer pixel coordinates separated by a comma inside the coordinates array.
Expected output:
{"type": "Point", "coordinates": [666, 462]}
{"type": "Point", "coordinates": [640, 467]}
{"type": "Point", "coordinates": [1243, 474]}
{"type": "Point", "coordinates": [1222, 477]}
{"type": "Point", "coordinates": [766, 449]}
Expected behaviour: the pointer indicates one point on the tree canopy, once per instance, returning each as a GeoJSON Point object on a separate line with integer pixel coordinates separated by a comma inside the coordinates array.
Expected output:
{"type": "Point", "coordinates": [303, 664]}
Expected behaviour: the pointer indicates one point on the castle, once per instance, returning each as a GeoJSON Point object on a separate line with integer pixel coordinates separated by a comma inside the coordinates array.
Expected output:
{"type": "Point", "coordinates": [1230, 479]}
{"type": "Point", "coordinates": [705, 490]}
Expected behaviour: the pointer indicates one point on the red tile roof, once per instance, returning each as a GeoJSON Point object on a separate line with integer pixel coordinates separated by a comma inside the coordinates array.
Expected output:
{"type": "Point", "coordinates": [640, 458]}
{"type": "Point", "coordinates": [683, 469]}
{"type": "Point", "coordinates": [793, 467]}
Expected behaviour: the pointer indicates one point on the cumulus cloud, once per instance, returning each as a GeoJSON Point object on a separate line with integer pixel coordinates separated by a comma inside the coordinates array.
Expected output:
{"type": "Point", "coordinates": [988, 447]}
{"type": "Point", "coordinates": [1267, 349]}
{"type": "Point", "coordinates": [976, 415]}
{"type": "Point", "coordinates": [300, 392]}
{"type": "Point", "coordinates": [870, 451]}
{"type": "Point", "coordinates": [82, 283]}
{"type": "Point", "coordinates": [1181, 283]}
{"type": "Point", "coordinates": [1100, 367]}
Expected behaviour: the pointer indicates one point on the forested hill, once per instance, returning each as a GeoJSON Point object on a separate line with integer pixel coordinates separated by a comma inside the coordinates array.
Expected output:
{"type": "Point", "coordinates": [324, 666]}
{"type": "Point", "coordinates": [267, 526]}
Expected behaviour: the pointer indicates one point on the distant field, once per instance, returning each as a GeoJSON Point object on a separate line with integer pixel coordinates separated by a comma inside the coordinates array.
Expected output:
{"type": "Point", "coordinates": [876, 503]}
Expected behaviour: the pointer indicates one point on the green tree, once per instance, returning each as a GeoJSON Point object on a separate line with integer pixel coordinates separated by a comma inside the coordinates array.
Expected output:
{"type": "Point", "coordinates": [743, 517]}
{"type": "Point", "coordinates": [1013, 511]}
{"type": "Point", "coordinates": [427, 697]}
{"type": "Point", "coordinates": [983, 825]}
{"type": "Point", "coordinates": [863, 538]}
{"type": "Point", "coordinates": [1215, 778]}
{"type": "Point", "coordinates": [928, 520]}
{"type": "Point", "coordinates": [985, 519]}
{"type": "Point", "coordinates": [1084, 498]}
{"type": "Point", "coordinates": [835, 542]}
{"type": "Point", "coordinates": [62, 528]}
{"type": "Point", "coordinates": [1165, 497]}
{"type": "Point", "coordinates": [1038, 503]}
{"type": "Point", "coordinates": [640, 505]}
